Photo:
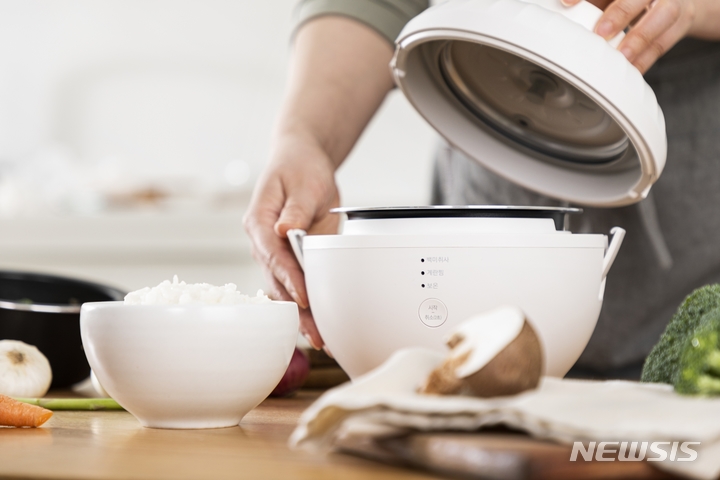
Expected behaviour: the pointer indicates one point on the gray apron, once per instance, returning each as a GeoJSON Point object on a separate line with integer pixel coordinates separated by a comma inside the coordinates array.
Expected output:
{"type": "Point", "coordinates": [673, 237]}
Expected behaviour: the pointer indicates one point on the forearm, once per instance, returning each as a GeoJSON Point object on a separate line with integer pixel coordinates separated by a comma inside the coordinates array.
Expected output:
{"type": "Point", "coordinates": [706, 21]}
{"type": "Point", "coordinates": [339, 76]}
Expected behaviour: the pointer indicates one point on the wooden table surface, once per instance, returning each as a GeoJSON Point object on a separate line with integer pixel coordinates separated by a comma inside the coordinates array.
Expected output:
{"type": "Point", "coordinates": [113, 445]}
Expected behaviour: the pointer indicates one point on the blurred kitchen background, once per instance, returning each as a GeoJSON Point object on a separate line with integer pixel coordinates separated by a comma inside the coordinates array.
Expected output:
{"type": "Point", "coordinates": [132, 133]}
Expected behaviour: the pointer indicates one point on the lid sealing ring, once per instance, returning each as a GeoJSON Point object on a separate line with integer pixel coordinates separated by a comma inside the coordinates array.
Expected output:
{"type": "Point", "coordinates": [529, 105]}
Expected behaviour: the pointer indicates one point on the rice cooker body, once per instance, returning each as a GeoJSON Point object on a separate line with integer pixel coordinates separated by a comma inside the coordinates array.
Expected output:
{"type": "Point", "coordinates": [372, 295]}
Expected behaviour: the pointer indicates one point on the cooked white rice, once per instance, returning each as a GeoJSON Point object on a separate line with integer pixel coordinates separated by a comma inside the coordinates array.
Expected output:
{"type": "Point", "coordinates": [181, 293]}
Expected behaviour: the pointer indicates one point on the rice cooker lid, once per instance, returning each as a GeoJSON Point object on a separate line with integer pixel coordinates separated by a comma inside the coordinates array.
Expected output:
{"type": "Point", "coordinates": [528, 90]}
{"type": "Point", "coordinates": [556, 214]}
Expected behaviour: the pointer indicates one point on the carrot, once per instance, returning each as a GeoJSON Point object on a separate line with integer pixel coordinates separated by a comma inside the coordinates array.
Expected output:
{"type": "Point", "coordinates": [18, 414]}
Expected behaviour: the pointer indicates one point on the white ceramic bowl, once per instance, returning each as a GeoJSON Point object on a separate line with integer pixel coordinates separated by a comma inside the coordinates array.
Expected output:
{"type": "Point", "coordinates": [189, 366]}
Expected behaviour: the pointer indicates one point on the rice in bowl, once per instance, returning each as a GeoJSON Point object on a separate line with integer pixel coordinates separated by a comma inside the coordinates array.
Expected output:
{"type": "Point", "coordinates": [181, 293]}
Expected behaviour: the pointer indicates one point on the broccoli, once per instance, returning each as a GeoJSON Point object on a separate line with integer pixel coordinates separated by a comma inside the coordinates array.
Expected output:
{"type": "Point", "coordinates": [696, 319]}
{"type": "Point", "coordinates": [699, 369]}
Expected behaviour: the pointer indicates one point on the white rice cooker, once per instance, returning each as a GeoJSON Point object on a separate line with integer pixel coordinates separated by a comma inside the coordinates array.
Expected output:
{"type": "Point", "coordinates": [528, 90]}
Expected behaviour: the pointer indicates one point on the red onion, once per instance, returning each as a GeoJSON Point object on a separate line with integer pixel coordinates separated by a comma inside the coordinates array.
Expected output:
{"type": "Point", "coordinates": [295, 375]}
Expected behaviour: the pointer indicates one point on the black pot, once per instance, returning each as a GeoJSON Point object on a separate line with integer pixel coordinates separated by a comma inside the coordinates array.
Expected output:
{"type": "Point", "coordinates": [44, 310]}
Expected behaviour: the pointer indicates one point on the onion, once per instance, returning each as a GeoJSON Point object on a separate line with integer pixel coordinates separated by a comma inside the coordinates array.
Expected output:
{"type": "Point", "coordinates": [295, 375]}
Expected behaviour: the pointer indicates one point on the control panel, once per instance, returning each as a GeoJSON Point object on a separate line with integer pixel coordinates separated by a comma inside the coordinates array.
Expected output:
{"type": "Point", "coordinates": [433, 271]}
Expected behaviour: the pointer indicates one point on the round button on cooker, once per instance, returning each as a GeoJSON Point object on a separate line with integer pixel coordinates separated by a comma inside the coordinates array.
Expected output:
{"type": "Point", "coordinates": [432, 312]}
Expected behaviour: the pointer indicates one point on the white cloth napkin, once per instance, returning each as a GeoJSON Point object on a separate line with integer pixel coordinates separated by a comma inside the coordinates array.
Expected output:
{"type": "Point", "coordinates": [384, 402]}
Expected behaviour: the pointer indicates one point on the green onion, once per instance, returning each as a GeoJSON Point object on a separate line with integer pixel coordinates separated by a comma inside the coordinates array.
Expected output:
{"type": "Point", "coordinates": [73, 403]}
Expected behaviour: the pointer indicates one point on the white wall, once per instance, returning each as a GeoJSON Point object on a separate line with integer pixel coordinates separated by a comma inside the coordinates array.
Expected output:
{"type": "Point", "coordinates": [104, 98]}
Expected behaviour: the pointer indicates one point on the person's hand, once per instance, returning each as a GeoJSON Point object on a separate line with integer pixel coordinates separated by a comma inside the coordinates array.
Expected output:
{"type": "Point", "coordinates": [338, 78]}
{"type": "Point", "coordinates": [296, 191]}
{"type": "Point", "coordinates": [660, 25]}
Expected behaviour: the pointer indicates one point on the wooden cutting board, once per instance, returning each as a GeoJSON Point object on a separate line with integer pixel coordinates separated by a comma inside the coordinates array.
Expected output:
{"type": "Point", "coordinates": [501, 455]}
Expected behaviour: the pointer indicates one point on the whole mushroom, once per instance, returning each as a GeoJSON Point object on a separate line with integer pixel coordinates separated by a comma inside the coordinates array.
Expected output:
{"type": "Point", "coordinates": [494, 354]}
